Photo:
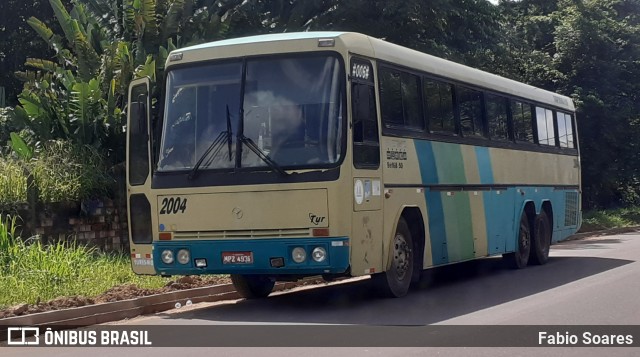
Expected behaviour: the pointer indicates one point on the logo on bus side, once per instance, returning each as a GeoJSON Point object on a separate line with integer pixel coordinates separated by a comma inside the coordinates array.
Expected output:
{"type": "Point", "coordinates": [396, 154]}
{"type": "Point", "coordinates": [237, 211]}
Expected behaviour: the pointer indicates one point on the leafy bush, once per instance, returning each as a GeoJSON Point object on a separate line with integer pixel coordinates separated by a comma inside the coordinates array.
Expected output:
{"type": "Point", "coordinates": [6, 124]}
{"type": "Point", "coordinates": [8, 241]}
{"type": "Point", "coordinates": [61, 171]}
{"type": "Point", "coordinates": [613, 218]}
{"type": "Point", "coordinates": [65, 172]}
{"type": "Point", "coordinates": [13, 182]}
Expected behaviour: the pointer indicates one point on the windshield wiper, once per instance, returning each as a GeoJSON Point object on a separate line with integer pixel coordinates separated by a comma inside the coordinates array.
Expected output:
{"type": "Point", "coordinates": [264, 157]}
{"type": "Point", "coordinates": [241, 139]}
{"type": "Point", "coordinates": [229, 134]}
{"type": "Point", "coordinates": [214, 147]}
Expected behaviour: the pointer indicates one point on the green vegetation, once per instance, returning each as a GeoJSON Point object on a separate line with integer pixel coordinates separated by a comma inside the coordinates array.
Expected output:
{"type": "Point", "coordinates": [61, 172]}
{"type": "Point", "coordinates": [13, 183]}
{"type": "Point", "coordinates": [31, 272]}
{"type": "Point", "coordinates": [613, 218]}
{"type": "Point", "coordinates": [77, 89]}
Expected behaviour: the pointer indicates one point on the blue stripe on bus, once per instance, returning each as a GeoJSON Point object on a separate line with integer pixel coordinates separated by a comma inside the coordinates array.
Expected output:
{"type": "Point", "coordinates": [484, 165]}
{"type": "Point", "coordinates": [429, 175]}
{"type": "Point", "coordinates": [498, 207]}
{"type": "Point", "coordinates": [495, 205]}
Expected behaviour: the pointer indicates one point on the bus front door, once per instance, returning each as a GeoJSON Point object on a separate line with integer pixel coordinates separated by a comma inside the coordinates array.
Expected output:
{"type": "Point", "coordinates": [138, 178]}
{"type": "Point", "coordinates": [366, 234]}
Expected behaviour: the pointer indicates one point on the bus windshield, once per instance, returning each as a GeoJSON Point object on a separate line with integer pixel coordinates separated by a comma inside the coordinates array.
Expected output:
{"type": "Point", "coordinates": [292, 110]}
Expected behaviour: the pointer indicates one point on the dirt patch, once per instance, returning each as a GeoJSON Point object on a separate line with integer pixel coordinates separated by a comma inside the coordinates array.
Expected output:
{"type": "Point", "coordinates": [117, 293]}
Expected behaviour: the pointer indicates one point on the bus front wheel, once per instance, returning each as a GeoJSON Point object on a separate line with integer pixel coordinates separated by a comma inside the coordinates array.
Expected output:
{"type": "Point", "coordinates": [520, 258]}
{"type": "Point", "coordinates": [396, 280]}
{"type": "Point", "coordinates": [541, 240]}
{"type": "Point", "coordinates": [252, 286]}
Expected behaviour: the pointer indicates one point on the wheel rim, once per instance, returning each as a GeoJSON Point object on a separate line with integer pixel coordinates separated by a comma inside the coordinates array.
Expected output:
{"type": "Point", "coordinates": [524, 241]}
{"type": "Point", "coordinates": [544, 238]}
{"type": "Point", "coordinates": [401, 256]}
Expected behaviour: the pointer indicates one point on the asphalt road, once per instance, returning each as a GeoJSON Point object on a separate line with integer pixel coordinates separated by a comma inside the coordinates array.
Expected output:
{"type": "Point", "coordinates": [587, 282]}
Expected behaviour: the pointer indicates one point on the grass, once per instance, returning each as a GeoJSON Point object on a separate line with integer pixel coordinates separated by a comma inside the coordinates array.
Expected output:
{"type": "Point", "coordinates": [64, 172]}
{"type": "Point", "coordinates": [32, 273]}
{"type": "Point", "coordinates": [13, 183]}
{"type": "Point", "coordinates": [61, 172]}
{"type": "Point", "coordinates": [613, 218]}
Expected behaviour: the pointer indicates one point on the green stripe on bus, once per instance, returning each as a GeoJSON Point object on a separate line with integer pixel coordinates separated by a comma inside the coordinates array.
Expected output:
{"type": "Point", "coordinates": [457, 213]}
{"type": "Point", "coordinates": [456, 205]}
{"type": "Point", "coordinates": [449, 163]}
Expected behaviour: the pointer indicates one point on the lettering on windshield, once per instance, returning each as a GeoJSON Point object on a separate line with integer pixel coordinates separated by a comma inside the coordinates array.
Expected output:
{"type": "Point", "coordinates": [360, 71]}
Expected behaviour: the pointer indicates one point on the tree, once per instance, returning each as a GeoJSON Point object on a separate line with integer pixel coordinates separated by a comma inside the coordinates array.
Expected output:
{"type": "Point", "coordinates": [466, 31]}
{"type": "Point", "coordinates": [18, 40]}
{"type": "Point", "coordinates": [589, 50]}
{"type": "Point", "coordinates": [80, 94]}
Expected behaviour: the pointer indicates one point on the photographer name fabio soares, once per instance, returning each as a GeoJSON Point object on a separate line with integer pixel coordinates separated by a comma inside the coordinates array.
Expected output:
{"type": "Point", "coordinates": [584, 339]}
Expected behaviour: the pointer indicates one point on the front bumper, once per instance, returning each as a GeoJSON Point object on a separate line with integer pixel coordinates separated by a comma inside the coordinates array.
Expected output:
{"type": "Point", "coordinates": [262, 251]}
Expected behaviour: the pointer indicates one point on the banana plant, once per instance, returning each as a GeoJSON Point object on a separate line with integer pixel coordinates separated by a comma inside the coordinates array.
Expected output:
{"type": "Point", "coordinates": [81, 93]}
{"type": "Point", "coordinates": [21, 148]}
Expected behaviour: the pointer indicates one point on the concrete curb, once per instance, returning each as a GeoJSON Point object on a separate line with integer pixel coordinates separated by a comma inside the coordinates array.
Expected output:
{"type": "Point", "coordinates": [119, 310]}
{"type": "Point", "coordinates": [604, 232]}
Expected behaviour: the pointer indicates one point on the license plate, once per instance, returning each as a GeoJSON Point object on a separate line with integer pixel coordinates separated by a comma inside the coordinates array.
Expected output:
{"type": "Point", "coordinates": [237, 257]}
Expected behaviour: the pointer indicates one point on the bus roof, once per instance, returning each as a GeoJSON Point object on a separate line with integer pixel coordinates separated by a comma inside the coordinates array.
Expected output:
{"type": "Point", "coordinates": [405, 57]}
{"type": "Point", "coordinates": [266, 38]}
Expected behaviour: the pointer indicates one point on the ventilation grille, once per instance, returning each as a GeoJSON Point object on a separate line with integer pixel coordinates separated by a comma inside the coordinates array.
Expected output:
{"type": "Point", "coordinates": [571, 209]}
{"type": "Point", "coordinates": [258, 233]}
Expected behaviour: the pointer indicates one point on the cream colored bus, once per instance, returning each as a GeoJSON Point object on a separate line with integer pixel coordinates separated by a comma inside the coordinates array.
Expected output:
{"type": "Point", "coordinates": [277, 157]}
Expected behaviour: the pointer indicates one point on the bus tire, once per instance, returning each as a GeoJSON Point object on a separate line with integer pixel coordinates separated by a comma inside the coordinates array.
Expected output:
{"type": "Point", "coordinates": [520, 258]}
{"type": "Point", "coordinates": [252, 286]}
{"type": "Point", "coordinates": [396, 280]}
{"type": "Point", "coordinates": [541, 242]}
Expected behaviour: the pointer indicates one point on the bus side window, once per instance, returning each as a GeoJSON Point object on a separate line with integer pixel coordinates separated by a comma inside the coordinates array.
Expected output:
{"type": "Point", "coordinates": [439, 106]}
{"type": "Point", "coordinates": [546, 130]}
{"type": "Point", "coordinates": [496, 107]}
{"type": "Point", "coordinates": [521, 114]}
{"type": "Point", "coordinates": [570, 123]}
{"type": "Point", "coordinates": [470, 106]}
{"type": "Point", "coordinates": [138, 155]}
{"type": "Point", "coordinates": [366, 146]}
{"type": "Point", "coordinates": [565, 130]}
{"type": "Point", "coordinates": [400, 99]}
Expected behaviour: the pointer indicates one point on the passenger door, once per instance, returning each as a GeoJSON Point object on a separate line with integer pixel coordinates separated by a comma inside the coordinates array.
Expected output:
{"type": "Point", "coordinates": [138, 180]}
{"type": "Point", "coordinates": [366, 248]}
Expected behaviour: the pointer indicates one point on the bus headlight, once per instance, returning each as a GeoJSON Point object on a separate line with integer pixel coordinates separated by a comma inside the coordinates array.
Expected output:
{"type": "Point", "coordinates": [298, 254]}
{"type": "Point", "coordinates": [319, 254]}
{"type": "Point", "coordinates": [167, 256]}
{"type": "Point", "coordinates": [183, 256]}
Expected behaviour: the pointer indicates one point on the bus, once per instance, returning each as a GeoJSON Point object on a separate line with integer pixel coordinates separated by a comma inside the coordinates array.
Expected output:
{"type": "Point", "coordinates": [335, 154]}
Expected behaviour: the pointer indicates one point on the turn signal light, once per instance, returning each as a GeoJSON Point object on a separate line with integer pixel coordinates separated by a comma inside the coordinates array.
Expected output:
{"type": "Point", "coordinates": [320, 232]}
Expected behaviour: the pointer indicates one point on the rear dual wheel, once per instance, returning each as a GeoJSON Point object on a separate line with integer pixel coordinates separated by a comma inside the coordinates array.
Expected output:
{"type": "Point", "coordinates": [541, 240]}
{"type": "Point", "coordinates": [520, 258]}
{"type": "Point", "coordinates": [533, 247]}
